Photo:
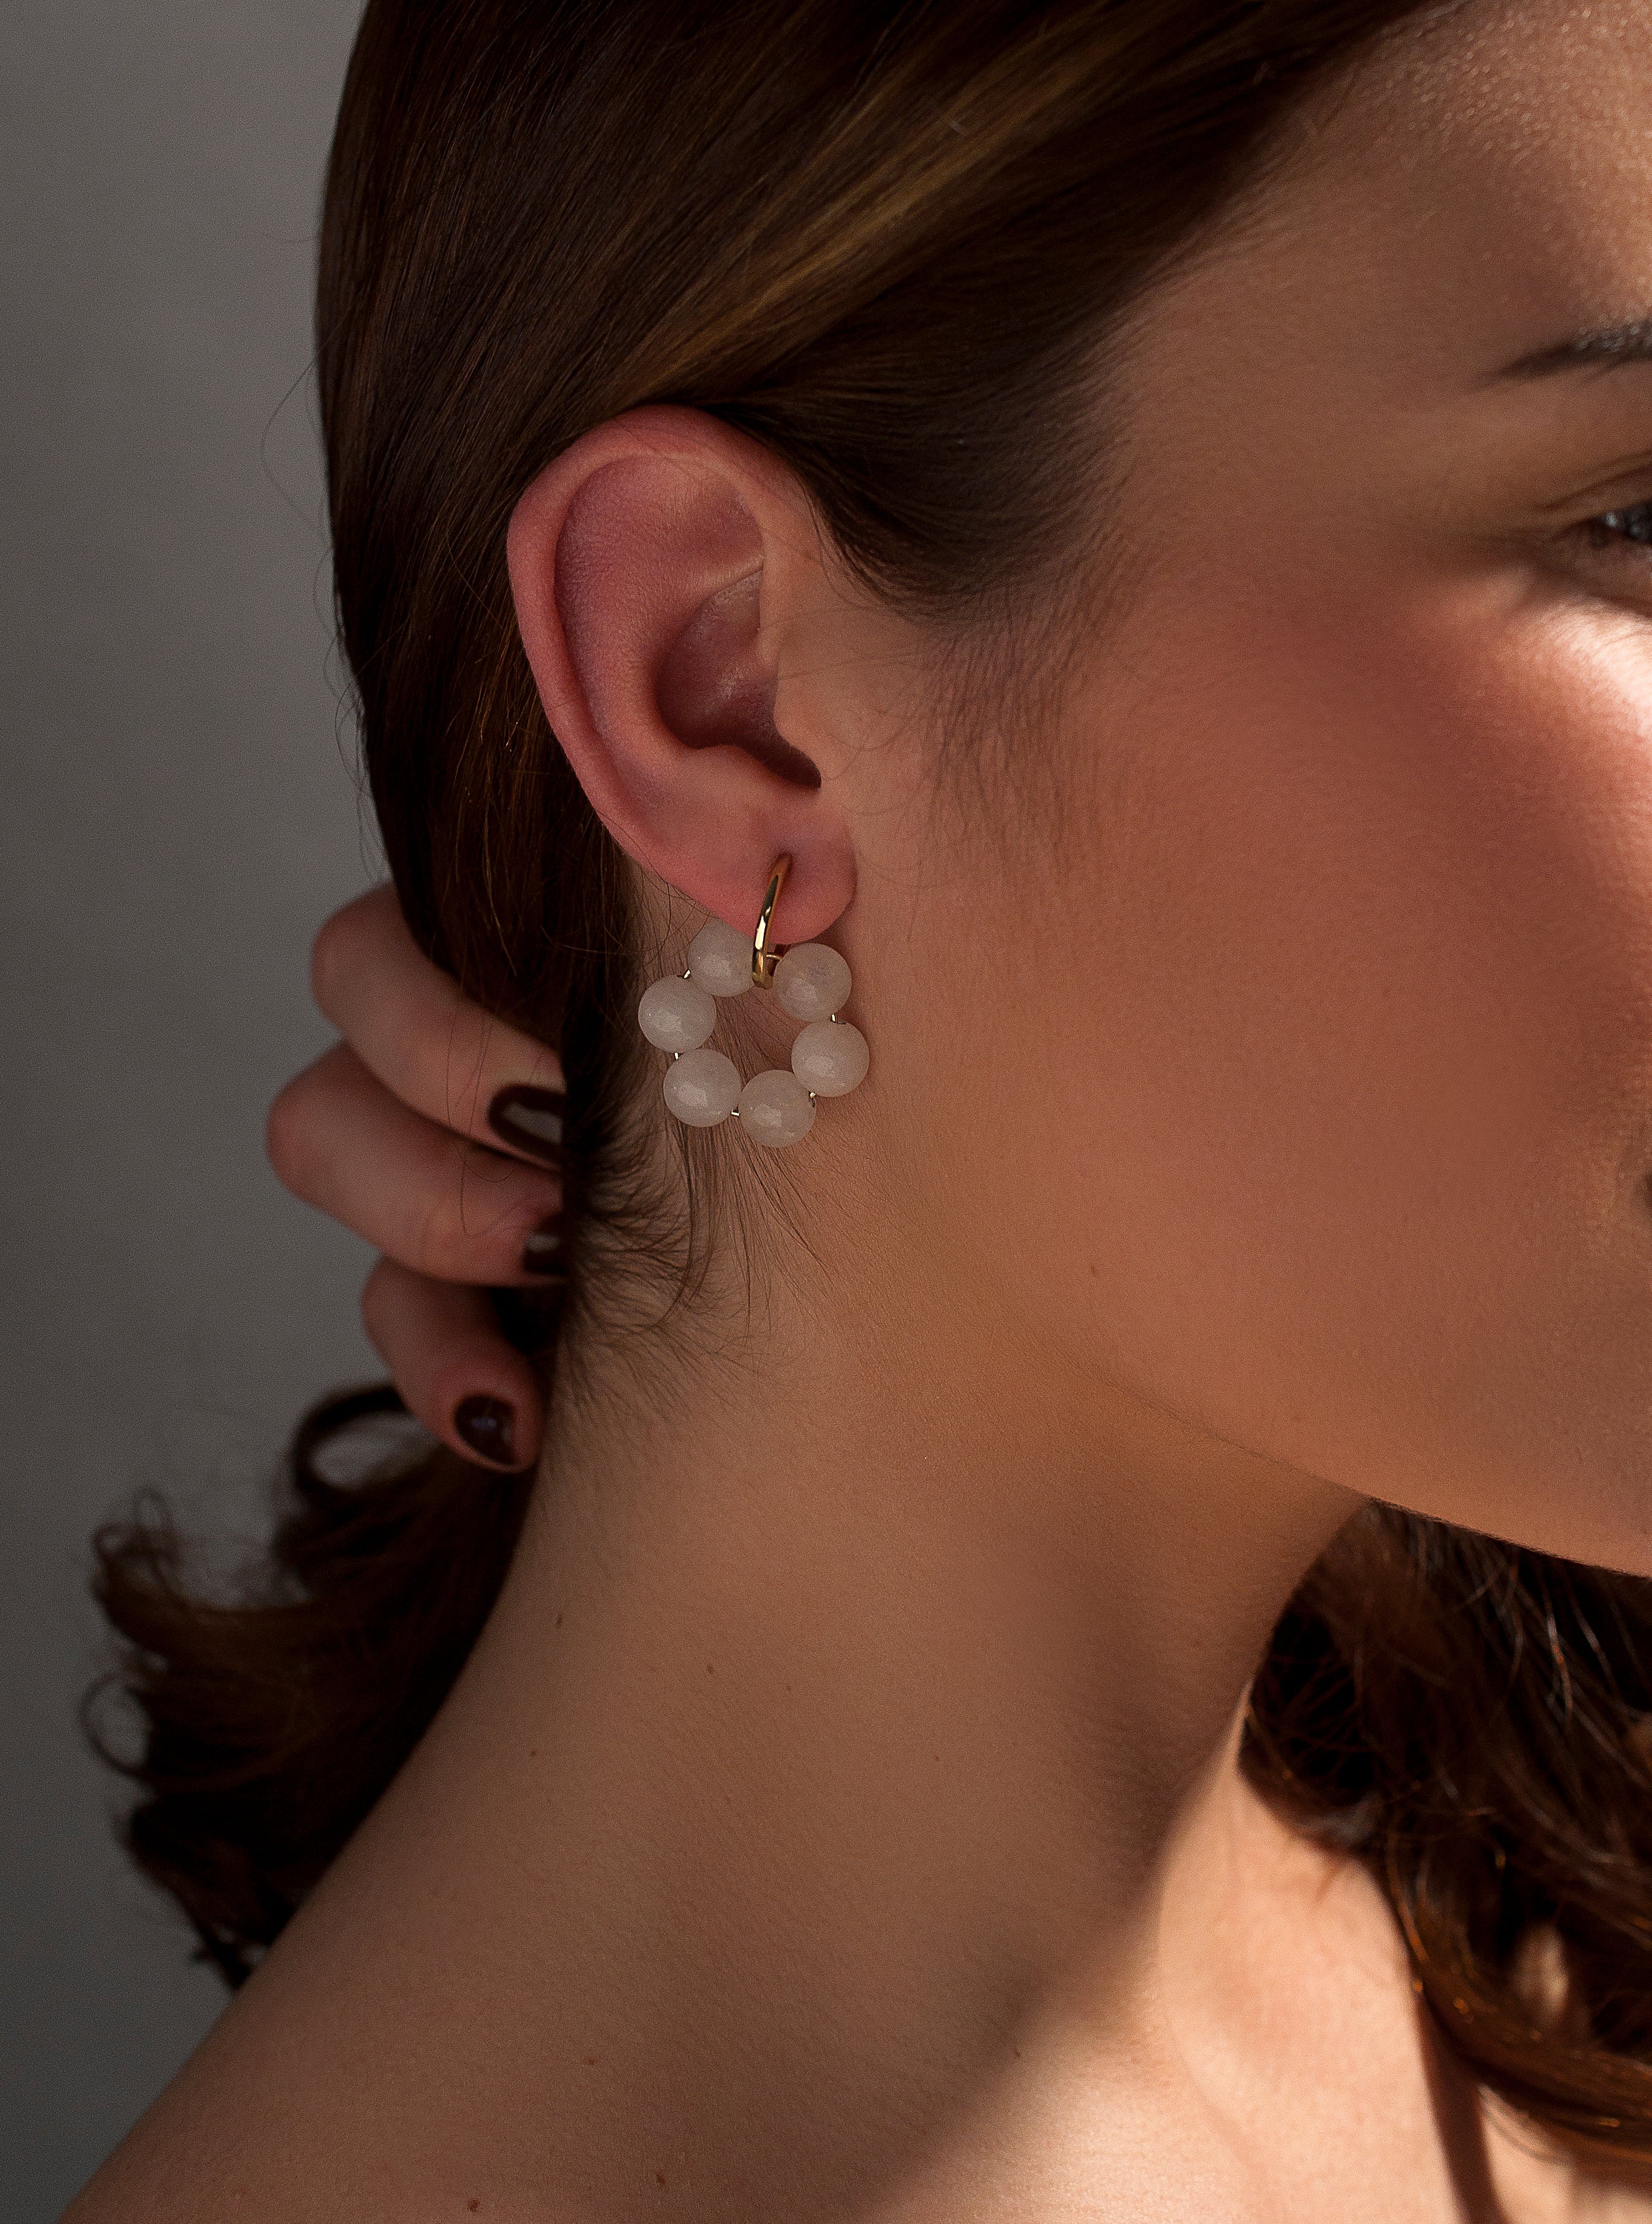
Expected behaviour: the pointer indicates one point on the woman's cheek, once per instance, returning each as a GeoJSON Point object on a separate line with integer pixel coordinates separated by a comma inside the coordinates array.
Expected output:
{"type": "Point", "coordinates": [1542, 725]}
{"type": "Point", "coordinates": [1369, 1049]}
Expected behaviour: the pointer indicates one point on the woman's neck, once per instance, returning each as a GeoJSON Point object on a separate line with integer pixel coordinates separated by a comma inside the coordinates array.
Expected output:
{"type": "Point", "coordinates": [847, 1767]}
{"type": "Point", "coordinates": [912, 1594]}
{"type": "Point", "coordinates": [834, 1733]}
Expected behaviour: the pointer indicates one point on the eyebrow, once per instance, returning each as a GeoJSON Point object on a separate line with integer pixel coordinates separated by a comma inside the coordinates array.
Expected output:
{"type": "Point", "coordinates": [1602, 349]}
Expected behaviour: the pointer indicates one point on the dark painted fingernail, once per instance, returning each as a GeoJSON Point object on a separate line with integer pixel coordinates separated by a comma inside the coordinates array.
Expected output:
{"type": "Point", "coordinates": [534, 1119]}
{"type": "Point", "coordinates": [487, 1426]}
{"type": "Point", "coordinates": [542, 1250]}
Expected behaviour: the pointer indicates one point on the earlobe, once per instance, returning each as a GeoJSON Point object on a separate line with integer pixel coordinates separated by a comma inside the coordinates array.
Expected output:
{"type": "Point", "coordinates": [652, 609]}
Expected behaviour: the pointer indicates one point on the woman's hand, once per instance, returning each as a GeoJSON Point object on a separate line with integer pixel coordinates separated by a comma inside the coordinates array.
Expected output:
{"type": "Point", "coordinates": [436, 1131]}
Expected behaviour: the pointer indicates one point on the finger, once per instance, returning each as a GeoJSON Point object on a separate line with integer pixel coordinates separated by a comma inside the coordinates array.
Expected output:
{"type": "Point", "coordinates": [338, 1140]}
{"type": "Point", "coordinates": [455, 1370]}
{"type": "Point", "coordinates": [409, 1023]}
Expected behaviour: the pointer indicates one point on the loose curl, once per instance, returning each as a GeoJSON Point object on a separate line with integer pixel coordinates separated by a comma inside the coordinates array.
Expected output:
{"type": "Point", "coordinates": [888, 240]}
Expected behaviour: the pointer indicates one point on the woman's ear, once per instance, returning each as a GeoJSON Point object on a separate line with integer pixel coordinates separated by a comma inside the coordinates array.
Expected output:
{"type": "Point", "coordinates": [653, 567]}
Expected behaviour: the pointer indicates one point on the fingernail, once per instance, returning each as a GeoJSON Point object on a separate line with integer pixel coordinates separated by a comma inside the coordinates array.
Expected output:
{"type": "Point", "coordinates": [541, 1250]}
{"type": "Point", "coordinates": [487, 1426]}
{"type": "Point", "coordinates": [531, 1119]}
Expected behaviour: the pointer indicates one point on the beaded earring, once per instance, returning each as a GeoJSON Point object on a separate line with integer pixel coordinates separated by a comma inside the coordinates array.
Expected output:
{"type": "Point", "coordinates": [810, 982]}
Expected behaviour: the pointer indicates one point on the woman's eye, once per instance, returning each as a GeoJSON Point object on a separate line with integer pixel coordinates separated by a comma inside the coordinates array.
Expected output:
{"type": "Point", "coordinates": [1614, 552]}
{"type": "Point", "coordinates": [1633, 526]}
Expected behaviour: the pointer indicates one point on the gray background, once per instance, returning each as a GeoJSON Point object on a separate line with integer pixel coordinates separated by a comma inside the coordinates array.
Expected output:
{"type": "Point", "coordinates": [178, 812]}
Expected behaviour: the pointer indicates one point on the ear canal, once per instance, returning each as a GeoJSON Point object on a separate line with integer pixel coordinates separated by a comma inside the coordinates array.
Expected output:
{"type": "Point", "coordinates": [713, 692]}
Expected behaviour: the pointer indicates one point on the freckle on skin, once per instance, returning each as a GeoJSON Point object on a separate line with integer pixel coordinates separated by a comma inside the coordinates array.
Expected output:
{"type": "Point", "coordinates": [558, 1617]}
{"type": "Point", "coordinates": [660, 2174]}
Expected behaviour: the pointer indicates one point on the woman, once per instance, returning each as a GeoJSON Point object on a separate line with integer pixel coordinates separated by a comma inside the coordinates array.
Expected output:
{"type": "Point", "coordinates": [1145, 507]}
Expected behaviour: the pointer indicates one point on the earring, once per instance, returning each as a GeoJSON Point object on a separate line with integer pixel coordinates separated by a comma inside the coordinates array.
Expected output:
{"type": "Point", "coordinates": [809, 981]}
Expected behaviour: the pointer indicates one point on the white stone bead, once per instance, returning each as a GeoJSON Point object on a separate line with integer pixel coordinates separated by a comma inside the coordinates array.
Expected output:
{"type": "Point", "coordinates": [702, 1087]}
{"type": "Point", "coordinates": [812, 981]}
{"type": "Point", "coordinates": [830, 1058]}
{"type": "Point", "coordinates": [676, 1014]}
{"type": "Point", "coordinates": [774, 1108]}
{"type": "Point", "coordinates": [720, 959]}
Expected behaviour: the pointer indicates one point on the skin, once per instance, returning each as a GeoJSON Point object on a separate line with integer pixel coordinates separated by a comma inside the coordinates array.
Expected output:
{"type": "Point", "coordinates": [839, 1816]}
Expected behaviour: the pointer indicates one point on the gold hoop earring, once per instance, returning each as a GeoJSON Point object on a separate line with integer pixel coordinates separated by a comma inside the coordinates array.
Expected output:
{"type": "Point", "coordinates": [763, 959]}
{"type": "Point", "coordinates": [810, 979]}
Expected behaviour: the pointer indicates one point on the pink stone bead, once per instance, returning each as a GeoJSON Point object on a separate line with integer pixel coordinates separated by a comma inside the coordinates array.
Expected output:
{"type": "Point", "coordinates": [676, 1014]}
{"type": "Point", "coordinates": [720, 959]}
{"type": "Point", "coordinates": [812, 981]}
{"type": "Point", "coordinates": [702, 1087]}
{"type": "Point", "coordinates": [830, 1058]}
{"type": "Point", "coordinates": [774, 1108]}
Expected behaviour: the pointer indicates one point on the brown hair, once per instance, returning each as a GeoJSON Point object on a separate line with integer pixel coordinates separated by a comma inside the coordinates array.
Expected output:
{"type": "Point", "coordinates": [886, 237]}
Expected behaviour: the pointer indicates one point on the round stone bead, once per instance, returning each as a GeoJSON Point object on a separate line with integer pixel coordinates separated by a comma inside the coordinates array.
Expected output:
{"type": "Point", "coordinates": [720, 959]}
{"type": "Point", "coordinates": [676, 1014]}
{"type": "Point", "coordinates": [830, 1058]}
{"type": "Point", "coordinates": [774, 1108]}
{"type": "Point", "coordinates": [812, 981]}
{"type": "Point", "coordinates": [702, 1087]}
